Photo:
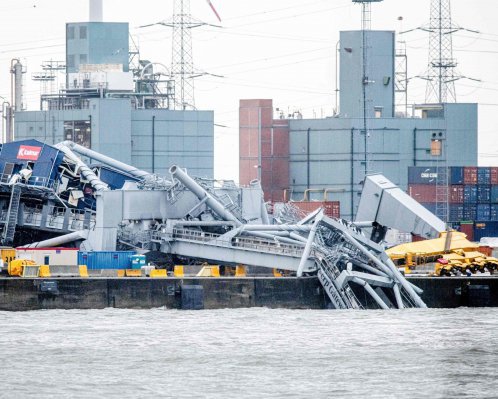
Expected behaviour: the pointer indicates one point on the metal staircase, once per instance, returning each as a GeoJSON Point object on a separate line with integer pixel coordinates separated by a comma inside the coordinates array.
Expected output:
{"type": "Point", "coordinates": [328, 273]}
{"type": "Point", "coordinates": [12, 215]}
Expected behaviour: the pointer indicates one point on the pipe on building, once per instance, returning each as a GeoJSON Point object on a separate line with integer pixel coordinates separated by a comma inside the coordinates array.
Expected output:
{"type": "Point", "coordinates": [352, 173]}
{"type": "Point", "coordinates": [87, 173]}
{"type": "Point", "coordinates": [201, 193]}
{"type": "Point", "coordinates": [61, 240]}
{"type": "Point", "coordinates": [153, 144]}
{"type": "Point", "coordinates": [106, 160]}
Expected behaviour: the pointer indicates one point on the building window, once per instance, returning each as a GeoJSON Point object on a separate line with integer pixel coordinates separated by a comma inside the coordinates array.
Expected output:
{"type": "Point", "coordinates": [78, 131]}
{"type": "Point", "coordinates": [378, 112]}
{"type": "Point", "coordinates": [83, 59]}
{"type": "Point", "coordinates": [436, 148]}
{"type": "Point", "coordinates": [70, 61]}
{"type": "Point", "coordinates": [70, 32]}
{"type": "Point", "coordinates": [82, 32]}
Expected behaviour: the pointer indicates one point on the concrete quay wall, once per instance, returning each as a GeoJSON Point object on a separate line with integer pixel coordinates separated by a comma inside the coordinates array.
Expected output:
{"type": "Point", "coordinates": [21, 294]}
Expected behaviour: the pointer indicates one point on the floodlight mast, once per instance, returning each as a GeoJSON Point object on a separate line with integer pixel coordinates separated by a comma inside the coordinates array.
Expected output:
{"type": "Point", "coordinates": [366, 25]}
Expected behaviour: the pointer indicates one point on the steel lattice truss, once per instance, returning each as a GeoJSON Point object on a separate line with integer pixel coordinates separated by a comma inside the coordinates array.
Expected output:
{"type": "Point", "coordinates": [441, 74]}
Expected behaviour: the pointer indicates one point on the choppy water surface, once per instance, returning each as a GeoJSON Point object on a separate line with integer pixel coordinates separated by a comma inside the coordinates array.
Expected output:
{"type": "Point", "coordinates": [250, 353]}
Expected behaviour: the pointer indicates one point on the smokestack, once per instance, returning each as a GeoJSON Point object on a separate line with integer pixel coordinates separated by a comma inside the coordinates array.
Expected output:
{"type": "Point", "coordinates": [96, 11]}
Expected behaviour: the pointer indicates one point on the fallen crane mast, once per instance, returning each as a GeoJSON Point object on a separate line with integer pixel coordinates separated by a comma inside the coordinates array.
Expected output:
{"type": "Point", "coordinates": [207, 220]}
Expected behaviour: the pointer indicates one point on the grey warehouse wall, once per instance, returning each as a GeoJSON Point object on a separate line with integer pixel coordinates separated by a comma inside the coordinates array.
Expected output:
{"type": "Point", "coordinates": [336, 151]}
{"type": "Point", "coordinates": [380, 52]}
{"type": "Point", "coordinates": [152, 140]}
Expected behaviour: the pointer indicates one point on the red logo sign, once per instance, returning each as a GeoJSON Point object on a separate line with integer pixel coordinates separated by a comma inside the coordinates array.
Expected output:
{"type": "Point", "coordinates": [28, 152]}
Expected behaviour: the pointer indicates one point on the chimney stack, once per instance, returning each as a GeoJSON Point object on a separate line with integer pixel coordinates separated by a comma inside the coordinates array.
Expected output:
{"type": "Point", "coordinates": [96, 11]}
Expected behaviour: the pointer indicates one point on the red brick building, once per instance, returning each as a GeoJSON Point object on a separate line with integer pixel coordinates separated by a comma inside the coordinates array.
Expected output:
{"type": "Point", "coordinates": [264, 148]}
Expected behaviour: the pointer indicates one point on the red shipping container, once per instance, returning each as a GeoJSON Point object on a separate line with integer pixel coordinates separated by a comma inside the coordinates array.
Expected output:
{"type": "Point", "coordinates": [332, 208]}
{"type": "Point", "coordinates": [468, 229]}
{"type": "Point", "coordinates": [456, 194]}
{"type": "Point", "coordinates": [494, 175]}
{"type": "Point", "coordinates": [470, 175]}
{"type": "Point", "coordinates": [488, 251]}
{"type": "Point", "coordinates": [416, 238]}
{"type": "Point", "coordinates": [422, 192]}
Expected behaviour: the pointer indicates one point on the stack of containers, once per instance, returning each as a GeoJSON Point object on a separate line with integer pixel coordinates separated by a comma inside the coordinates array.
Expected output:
{"type": "Point", "coordinates": [472, 197]}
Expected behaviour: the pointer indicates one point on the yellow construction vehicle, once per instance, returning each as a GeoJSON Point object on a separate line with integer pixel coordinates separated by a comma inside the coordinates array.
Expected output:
{"type": "Point", "coordinates": [450, 254]}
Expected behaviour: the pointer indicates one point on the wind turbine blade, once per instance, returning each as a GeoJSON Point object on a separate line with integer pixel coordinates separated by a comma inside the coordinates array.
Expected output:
{"type": "Point", "coordinates": [214, 10]}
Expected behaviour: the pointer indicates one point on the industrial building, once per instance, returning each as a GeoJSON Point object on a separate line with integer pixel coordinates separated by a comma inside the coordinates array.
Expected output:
{"type": "Point", "coordinates": [121, 105]}
{"type": "Point", "coordinates": [328, 158]}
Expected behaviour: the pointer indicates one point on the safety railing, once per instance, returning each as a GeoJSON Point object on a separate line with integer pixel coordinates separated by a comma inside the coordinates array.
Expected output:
{"type": "Point", "coordinates": [35, 181]}
{"type": "Point", "coordinates": [247, 243]}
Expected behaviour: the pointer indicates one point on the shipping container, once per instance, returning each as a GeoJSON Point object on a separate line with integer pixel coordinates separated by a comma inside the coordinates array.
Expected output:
{"type": "Point", "coordinates": [422, 175]}
{"type": "Point", "coordinates": [456, 175]}
{"type": "Point", "coordinates": [332, 208]}
{"type": "Point", "coordinates": [456, 194]}
{"type": "Point", "coordinates": [456, 213]}
{"type": "Point", "coordinates": [430, 206]}
{"type": "Point", "coordinates": [469, 194]}
{"type": "Point", "coordinates": [416, 238]}
{"type": "Point", "coordinates": [469, 212]}
{"type": "Point", "coordinates": [494, 195]}
{"type": "Point", "coordinates": [485, 229]}
{"type": "Point", "coordinates": [484, 249]}
{"type": "Point", "coordinates": [49, 256]}
{"type": "Point", "coordinates": [494, 213]}
{"type": "Point", "coordinates": [468, 230]}
{"type": "Point", "coordinates": [470, 175]}
{"type": "Point", "coordinates": [422, 192]}
{"type": "Point", "coordinates": [105, 259]}
{"type": "Point", "coordinates": [493, 175]}
{"type": "Point", "coordinates": [483, 212]}
{"type": "Point", "coordinates": [484, 176]}
{"type": "Point", "coordinates": [484, 194]}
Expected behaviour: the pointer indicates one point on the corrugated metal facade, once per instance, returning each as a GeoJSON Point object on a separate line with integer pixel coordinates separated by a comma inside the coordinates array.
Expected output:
{"type": "Point", "coordinates": [152, 140]}
{"type": "Point", "coordinates": [106, 259]}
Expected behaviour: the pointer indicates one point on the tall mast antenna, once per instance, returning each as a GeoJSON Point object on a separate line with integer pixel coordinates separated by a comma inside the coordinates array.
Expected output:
{"type": "Point", "coordinates": [366, 25]}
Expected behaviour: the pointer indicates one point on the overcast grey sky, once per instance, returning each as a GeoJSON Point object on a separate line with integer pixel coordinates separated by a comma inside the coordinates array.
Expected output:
{"type": "Point", "coordinates": [279, 49]}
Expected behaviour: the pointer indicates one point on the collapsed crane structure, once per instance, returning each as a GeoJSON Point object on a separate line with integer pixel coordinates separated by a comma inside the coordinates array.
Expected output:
{"type": "Point", "coordinates": [70, 195]}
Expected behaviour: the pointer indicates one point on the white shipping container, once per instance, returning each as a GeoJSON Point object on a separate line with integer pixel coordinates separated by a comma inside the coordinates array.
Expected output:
{"type": "Point", "coordinates": [49, 256]}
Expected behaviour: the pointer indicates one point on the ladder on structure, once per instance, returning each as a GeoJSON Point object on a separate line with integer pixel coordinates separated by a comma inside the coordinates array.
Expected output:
{"type": "Point", "coordinates": [442, 194]}
{"type": "Point", "coordinates": [12, 215]}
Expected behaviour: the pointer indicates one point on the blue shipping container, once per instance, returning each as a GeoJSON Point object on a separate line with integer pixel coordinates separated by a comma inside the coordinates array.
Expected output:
{"type": "Point", "coordinates": [485, 229]}
{"type": "Point", "coordinates": [422, 175]}
{"type": "Point", "coordinates": [456, 175]}
{"type": "Point", "coordinates": [494, 194]}
{"type": "Point", "coordinates": [483, 175]}
{"type": "Point", "coordinates": [469, 212]}
{"type": "Point", "coordinates": [469, 194]}
{"type": "Point", "coordinates": [494, 213]}
{"type": "Point", "coordinates": [483, 212]}
{"type": "Point", "coordinates": [484, 194]}
{"type": "Point", "coordinates": [456, 213]}
{"type": "Point", "coordinates": [430, 206]}
{"type": "Point", "coordinates": [105, 259]}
